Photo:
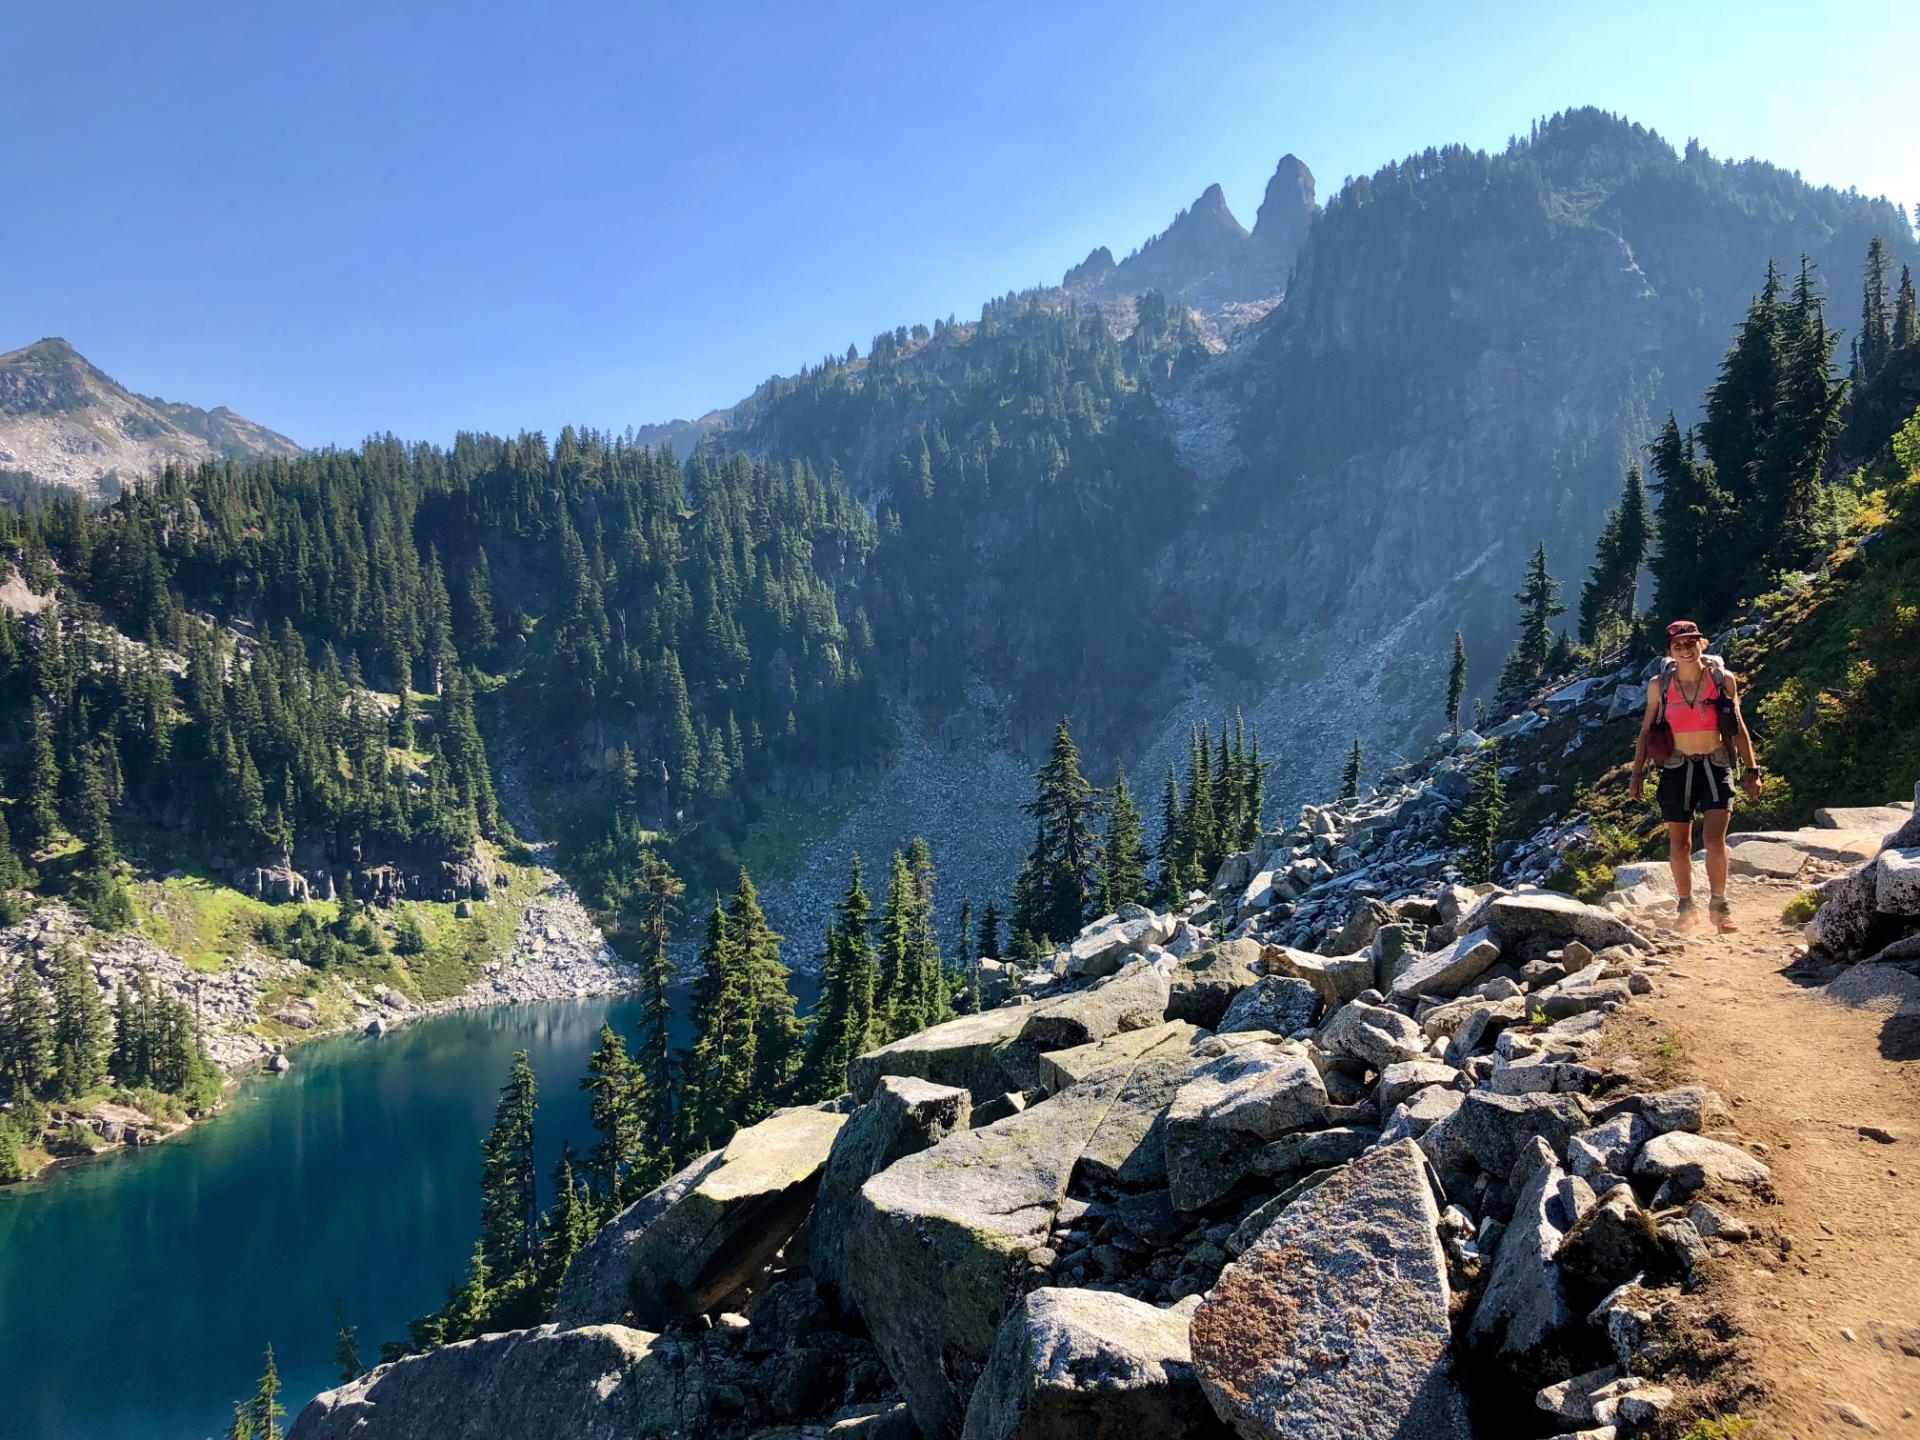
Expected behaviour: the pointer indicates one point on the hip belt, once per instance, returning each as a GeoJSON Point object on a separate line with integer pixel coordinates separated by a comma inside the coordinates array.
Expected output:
{"type": "Point", "coordinates": [1703, 766]}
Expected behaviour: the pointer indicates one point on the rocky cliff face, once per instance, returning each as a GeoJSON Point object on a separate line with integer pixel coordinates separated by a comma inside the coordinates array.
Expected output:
{"type": "Point", "coordinates": [64, 422]}
{"type": "Point", "coordinates": [1207, 259]}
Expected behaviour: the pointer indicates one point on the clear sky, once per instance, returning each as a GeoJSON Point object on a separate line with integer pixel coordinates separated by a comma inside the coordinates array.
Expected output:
{"type": "Point", "coordinates": [342, 218]}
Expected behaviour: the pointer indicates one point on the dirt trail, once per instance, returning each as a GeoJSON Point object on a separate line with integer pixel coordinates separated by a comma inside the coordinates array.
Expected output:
{"type": "Point", "coordinates": [1834, 1319]}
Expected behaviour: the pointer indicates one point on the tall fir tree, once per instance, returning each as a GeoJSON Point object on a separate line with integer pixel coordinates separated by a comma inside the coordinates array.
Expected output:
{"type": "Point", "coordinates": [1253, 809]}
{"type": "Point", "coordinates": [1476, 829]}
{"type": "Point", "coordinates": [989, 947]}
{"type": "Point", "coordinates": [82, 1030]}
{"type": "Point", "coordinates": [1123, 872]}
{"type": "Point", "coordinates": [1539, 597]}
{"type": "Point", "coordinates": [1170, 888]}
{"type": "Point", "coordinates": [778, 1033]}
{"type": "Point", "coordinates": [1610, 598]}
{"type": "Point", "coordinates": [1456, 682]}
{"type": "Point", "coordinates": [718, 1070]}
{"type": "Point", "coordinates": [26, 1037]}
{"type": "Point", "coordinates": [1350, 776]}
{"type": "Point", "coordinates": [655, 902]}
{"type": "Point", "coordinates": [844, 1017]}
{"type": "Point", "coordinates": [619, 1108]}
{"type": "Point", "coordinates": [1066, 855]}
{"type": "Point", "coordinates": [1876, 311]}
{"type": "Point", "coordinates": [509, 1207]}
{"type": "Point", "coordinates": [346, 1347]}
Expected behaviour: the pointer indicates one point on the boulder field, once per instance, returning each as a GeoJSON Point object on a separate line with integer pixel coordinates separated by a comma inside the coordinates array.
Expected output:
{"type": "Point", "coordinates": [1237, 1189]}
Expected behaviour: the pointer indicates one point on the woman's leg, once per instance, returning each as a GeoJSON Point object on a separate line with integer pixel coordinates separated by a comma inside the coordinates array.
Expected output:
{"type": "Point", "coordinates": [1717, 858]}
{"type": "Point", "coordinates": [1680, 857]}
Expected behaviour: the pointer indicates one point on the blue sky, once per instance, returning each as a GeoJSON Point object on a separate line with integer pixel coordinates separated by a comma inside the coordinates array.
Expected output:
{"type": "Point", "coordinates": [344, 218]}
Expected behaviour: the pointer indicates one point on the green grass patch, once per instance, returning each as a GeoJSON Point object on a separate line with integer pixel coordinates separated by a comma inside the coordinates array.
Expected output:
{"type": "Point", "coordinates": [205, 923]}
{"type": "Point", "coordinates": [1730, 1427]}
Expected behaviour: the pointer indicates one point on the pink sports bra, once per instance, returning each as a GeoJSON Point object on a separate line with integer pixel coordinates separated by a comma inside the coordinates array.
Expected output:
{"type": "Point", "coordinates": [1703, 714]}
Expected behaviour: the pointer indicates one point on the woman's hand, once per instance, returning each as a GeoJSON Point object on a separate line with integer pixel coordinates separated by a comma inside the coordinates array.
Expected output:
{"type": "Point", "coordinates": [1752, 782]}
{"type": "Point", "coordinates": [1636, 787]}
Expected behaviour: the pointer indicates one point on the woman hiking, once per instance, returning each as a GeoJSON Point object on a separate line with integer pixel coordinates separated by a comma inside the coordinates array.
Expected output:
{"type": "Point", "coordinates": [1691, 724]}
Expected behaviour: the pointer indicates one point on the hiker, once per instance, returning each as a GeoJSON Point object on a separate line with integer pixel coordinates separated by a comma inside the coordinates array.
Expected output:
{"type": "Point", "coordinates": [1692, 722]}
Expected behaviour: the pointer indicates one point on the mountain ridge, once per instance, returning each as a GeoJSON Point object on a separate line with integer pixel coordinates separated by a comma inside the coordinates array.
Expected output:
{"type": "Point", "coordinates": [65, 421]}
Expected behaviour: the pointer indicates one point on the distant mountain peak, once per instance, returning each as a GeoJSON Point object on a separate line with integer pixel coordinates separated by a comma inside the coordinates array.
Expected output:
{"type": "Point", "coordinates": [1286, 210]}
{"type": "Point", "coordinates": [64, 421]}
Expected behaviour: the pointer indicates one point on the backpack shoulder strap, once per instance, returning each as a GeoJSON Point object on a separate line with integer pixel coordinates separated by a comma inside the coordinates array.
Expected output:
{"type": "Point", "coordinates": [1666, 678]}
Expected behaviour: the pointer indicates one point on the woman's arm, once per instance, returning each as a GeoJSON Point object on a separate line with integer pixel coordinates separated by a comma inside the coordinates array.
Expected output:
{"type": "Point", "coordinates": [1742, 740]}
{"type": "Point", "coordinates": [1635, 785]}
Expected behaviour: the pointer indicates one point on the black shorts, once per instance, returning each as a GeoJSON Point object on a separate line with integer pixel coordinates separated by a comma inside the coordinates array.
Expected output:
{"type": "Point", "coordinates": [1711, 789]}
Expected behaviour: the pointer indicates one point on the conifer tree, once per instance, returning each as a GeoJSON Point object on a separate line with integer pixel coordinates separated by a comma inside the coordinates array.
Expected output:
{"type": "Point", "coordinates": [346, 1347]}
{"type": "Point", "coordinates": [1123, 874]}
{"type": "Point", "coordinates": [1906, 324]}
{"type": "Point", "coordinates": [509, 1211]}
{"type": "Point", "coordinates": [1539, 597]}
{"type": "Point", "coordinates": [1171, 886]}
{"type": "Point", "coordinates": [777, 1030]}
{"type": "Point", "coordinates": [13, 879]}
{"type": "Point", "coordinates": [39, 801]}
{"type": "Point", "coordinates": [620, 1110]}
{"type": "Point", "coordinates": [1066, 855]}
{"type": "Point", "coordinates": [990, 931]}
{"type": "Point", "coordinates": [655, 901]}
{"type": "Point", "coordinates": [1350, 777]}
{"type": "Point", "coordinates": [924, 998]}
{"type": "Point", "coordinates": [1254, 809]}
{"type": "Point", "coordinates": [82, 1032]}
{"type": "Point", "coordinates": [1476, 829]}
{"type": "Point", "coordinates": [894, 946]}
{"type": "Point", "coordinates": [1609, 600]}
{"type": "Point", "coordinates": [1456, 682]}
{"type": "Point", "coordinates": [1876, 313]}
{"type": "Point", "coordinates": [844, 1018]}
{"type": "Point", "coordinates": [26, 1037]}
{"type": "Point", "coordinates": [1202, 838]}
{"type": "Point", "coordinates": [1690, 575]}
{"type": "Point", "coordinates": [719, 1067]}
{"type": "Point", "coordinates": [565, 1228]}
{"type": "Point", "coordinates": [264, 1410]}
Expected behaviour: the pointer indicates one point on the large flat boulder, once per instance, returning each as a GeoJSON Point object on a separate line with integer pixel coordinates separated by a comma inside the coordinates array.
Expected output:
{"type": "Point", "coordinates": [938, 1239]}
{"type": "Point", "coordinates": [905, 1116]}
{"type": "Point", "coordinates": [1511, 919]}
{"type": "Point", "coordinates": [1333, 1324]}
{"type": "Point", "coordinates": [1447, 972]}
{"type": "Point", "coordinates": [1228, 1109]}
{"type": "Point", "coordinates": [1868, 819]}
{"type": "Point", "coordinates": [964, 1052]}
{"type": "Point", "coordinates": [1845, 918]}
{"type": "Point", "coordinates": [598, 1382]}
{"type": "Point", "coordinates": [1090, 1365]}
{"type": "Point", "coordinates": [1133, 999]}
{"type": "Point", "coordinates": [1338, 978]}
{"type": "Point", "coordinates": [1128, 1148]}
{"type": "Point", "coordinates": [1686, 1163]}
{"type": "Point", "coordinates": [595, 1290]}
{"type": "Point", "coordinates": [1202, 986]}
{"type": "Point", "coordinates": [716, 1238]}
{"type": "Point", "coordinates": [1061, 1068]}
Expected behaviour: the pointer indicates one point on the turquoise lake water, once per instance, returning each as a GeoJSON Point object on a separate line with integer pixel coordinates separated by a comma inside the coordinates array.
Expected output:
{"type": "Point", "coordinates": [138, 1291]}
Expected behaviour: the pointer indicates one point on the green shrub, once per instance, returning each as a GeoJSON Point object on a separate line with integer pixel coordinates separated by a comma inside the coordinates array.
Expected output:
{"type": "Point", "coordinates": [1803, 906]}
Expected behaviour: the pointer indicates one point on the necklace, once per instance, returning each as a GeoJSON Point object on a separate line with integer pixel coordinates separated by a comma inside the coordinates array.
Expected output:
{"type": "Point", "coordinates": [1699, 688]}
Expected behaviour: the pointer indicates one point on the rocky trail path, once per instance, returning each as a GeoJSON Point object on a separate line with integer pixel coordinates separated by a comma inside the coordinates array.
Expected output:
{"type": "Point", "coordinates": [1832, 1307]}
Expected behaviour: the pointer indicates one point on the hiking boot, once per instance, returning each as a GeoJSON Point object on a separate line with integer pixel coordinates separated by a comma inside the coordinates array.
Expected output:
{"type": "Point", "coordinates": [1722, 913]}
